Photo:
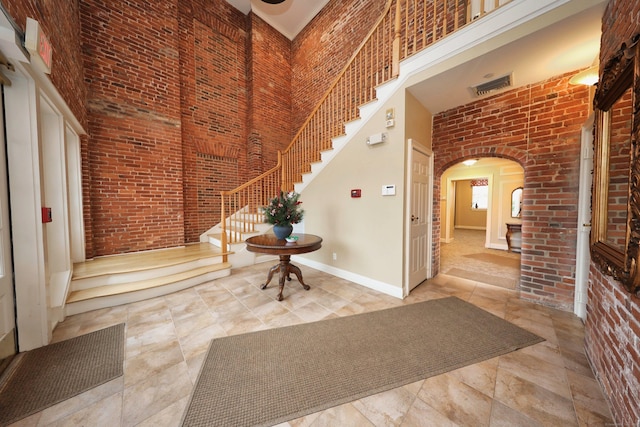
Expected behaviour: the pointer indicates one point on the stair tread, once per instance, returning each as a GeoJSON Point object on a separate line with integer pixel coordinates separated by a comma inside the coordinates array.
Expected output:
{"type": "Point", "coordinates": [147, 260]}
{"type": "Point", "coordinates": [218, 236]}
{"type": "Point", "coordinates": [101, 291]}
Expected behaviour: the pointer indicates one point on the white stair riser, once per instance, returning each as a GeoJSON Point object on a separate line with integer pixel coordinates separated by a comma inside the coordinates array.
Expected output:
{"type": "Point", "coordinates": [136, 276]}
{"type": "Point", "coordinates": [129, 297]}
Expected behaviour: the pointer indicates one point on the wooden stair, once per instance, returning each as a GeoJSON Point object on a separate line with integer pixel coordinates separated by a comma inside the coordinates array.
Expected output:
{"type": "Point", "coordinates": [241, 225]}
{"type": "Point", "coordinates": [120, 279]}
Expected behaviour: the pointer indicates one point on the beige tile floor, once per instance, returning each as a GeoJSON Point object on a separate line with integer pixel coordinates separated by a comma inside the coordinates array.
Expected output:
{"type": "Point", "coordinates": [548, 384]}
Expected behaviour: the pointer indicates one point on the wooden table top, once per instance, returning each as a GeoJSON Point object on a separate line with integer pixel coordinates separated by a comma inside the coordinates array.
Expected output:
{"type": "Point", "coordinates": [270, 244]}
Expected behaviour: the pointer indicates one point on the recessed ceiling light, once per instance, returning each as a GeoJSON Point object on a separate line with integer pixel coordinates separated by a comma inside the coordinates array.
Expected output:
{"type": "Point", "coordinates": [273, 1]}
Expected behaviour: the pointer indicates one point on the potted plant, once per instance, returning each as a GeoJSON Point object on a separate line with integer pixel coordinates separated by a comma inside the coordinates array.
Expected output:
{"type": "Point", "coordinates": [283, 211]}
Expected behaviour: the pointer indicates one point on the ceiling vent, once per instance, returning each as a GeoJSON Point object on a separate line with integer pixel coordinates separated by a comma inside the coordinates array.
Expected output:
{"type": "Point", "coordinates": [492, 86]}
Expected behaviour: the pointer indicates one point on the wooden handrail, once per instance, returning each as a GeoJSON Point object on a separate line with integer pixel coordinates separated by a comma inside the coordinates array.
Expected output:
{"type": "Point", "coordinates": [340, 75]}
{"type": "Point", "coordinates": [245, 203]}
{"type": "Point", "coordinates": [400, 32]}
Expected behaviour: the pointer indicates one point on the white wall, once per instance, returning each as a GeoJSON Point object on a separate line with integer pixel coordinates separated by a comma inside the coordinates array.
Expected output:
{"type": "Point", "coordinates": [366, 234]}
{"type": "Point", "coordinates": [504, 176]}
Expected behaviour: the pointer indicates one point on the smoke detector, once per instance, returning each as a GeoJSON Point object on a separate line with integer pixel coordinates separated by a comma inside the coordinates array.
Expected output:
{"type": "Point", "coordinates": [493, 85]}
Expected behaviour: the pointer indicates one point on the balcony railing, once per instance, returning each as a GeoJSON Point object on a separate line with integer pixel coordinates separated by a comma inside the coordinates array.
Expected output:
{"type": "Point", "coordinates": [405, 28]}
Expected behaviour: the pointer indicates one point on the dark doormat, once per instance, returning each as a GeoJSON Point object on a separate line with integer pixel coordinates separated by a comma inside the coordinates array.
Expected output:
{"type": "Point", "coordinates": [48, 375]}
{"type": "Point", "coordinates": [272, 376]}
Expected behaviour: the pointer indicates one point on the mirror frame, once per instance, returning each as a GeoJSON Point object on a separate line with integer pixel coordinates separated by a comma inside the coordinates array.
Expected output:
{"type": "Point", "coordinates": [619, 74]}
{"type": "Point", "coordinates": [519, 203]}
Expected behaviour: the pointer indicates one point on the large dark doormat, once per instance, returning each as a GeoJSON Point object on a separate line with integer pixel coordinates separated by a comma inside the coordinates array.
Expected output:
{"type": "Point", "coordinates": [56, 372]}
{"type": "Point", "coordinates": [272, 376]}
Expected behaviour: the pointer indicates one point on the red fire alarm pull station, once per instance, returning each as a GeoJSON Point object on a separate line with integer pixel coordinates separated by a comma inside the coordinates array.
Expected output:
{"type": "Point", "coordinates": [356, 193]}
{"type": "Point", "coordinates": [46, 215]}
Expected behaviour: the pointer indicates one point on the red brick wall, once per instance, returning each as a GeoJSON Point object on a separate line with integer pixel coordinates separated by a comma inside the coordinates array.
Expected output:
{"type": "Point", "coordinates": [61, 23]}
{"type": "Point", "coordinates": [182, 100]}
{"type": "Point", "coordinates": [135, 152]}
{"type": "Point", "coordinates": [212, 67]}
{"type": "Point", "coordinates": [269, 95]}
{"type": "Point", "coordinates": [612, 328]}
{"type": "Point", "coordinates": [323, 47]}
{"type": "Point", "coordinates": [538, 126]}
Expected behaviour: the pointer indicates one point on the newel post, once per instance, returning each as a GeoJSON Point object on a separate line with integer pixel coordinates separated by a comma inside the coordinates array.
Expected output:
{"type": "Point", "coordinates": [395, 64]}
{"type": "Point", "coordinates": [283, 172]}
{"type": "Point", "coordinates": [223, 225]}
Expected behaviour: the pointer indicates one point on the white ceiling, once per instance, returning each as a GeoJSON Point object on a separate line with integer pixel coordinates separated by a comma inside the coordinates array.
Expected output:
{"type": "Point", "coordinates": [566, 46]}
{"type": "Point", "coordinates": [563, 47]}
{"type": "Point", "coordinates": [288, 17]}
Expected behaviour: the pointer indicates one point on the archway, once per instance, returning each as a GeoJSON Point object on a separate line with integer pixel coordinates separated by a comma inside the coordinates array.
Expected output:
{"type": "Point", "coordinates": [475, 206]}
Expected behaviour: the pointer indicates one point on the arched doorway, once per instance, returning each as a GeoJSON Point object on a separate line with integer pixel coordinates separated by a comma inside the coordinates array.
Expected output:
{"type": "Point", "coordinates": [475, 208]}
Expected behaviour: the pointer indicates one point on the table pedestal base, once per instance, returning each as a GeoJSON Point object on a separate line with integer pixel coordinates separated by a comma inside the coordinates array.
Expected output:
{"type": "Point", "coordinates": [286, 268]}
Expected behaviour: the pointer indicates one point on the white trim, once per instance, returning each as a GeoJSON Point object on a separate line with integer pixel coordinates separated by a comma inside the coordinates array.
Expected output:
{"type": "Point", "coordinates": [367, 282]}
{"type": "Point", "coordinates": [74, 176]}
{"type": "Point", "coordinates": [583, 256]}
{"type": "Point", "coordinates": [38, 123]}
{"type": "Point", "coordinates": [23, 159]}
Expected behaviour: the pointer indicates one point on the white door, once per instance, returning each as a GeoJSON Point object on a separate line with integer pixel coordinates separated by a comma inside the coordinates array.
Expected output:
{"type": "Point", "coordinates": [7, 305]}
{"type": "Point", "coordinates": [419, 210]}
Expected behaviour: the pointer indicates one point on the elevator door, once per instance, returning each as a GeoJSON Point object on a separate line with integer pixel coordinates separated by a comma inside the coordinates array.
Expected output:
{"type": "Point", "coordinates": [8, 345]}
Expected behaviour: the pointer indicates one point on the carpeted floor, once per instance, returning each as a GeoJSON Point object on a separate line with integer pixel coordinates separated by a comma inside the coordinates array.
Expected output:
{"type": "Point", "coordinates": [268, 377]}
{"type": "Point", "coordinates": [467, 258]}
{"type": "Point", "coordinates": [47, 375]}
{"type": "Point", "coordinates": [498, 260]}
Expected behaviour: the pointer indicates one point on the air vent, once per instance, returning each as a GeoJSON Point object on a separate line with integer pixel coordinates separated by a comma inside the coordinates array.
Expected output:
{"type": "Point", "coordinates": [492, 86]}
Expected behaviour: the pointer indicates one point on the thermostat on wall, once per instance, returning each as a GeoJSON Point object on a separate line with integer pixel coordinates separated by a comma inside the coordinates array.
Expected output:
{"type": "Point", "coordinates": [389, 190]}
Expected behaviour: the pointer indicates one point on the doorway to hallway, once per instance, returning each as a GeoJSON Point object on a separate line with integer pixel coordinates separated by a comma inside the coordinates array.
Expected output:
{"type": "Point", "coordinates": [466, 256]}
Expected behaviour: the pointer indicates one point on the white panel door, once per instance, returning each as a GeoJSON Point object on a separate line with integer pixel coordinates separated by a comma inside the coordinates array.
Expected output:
{"type": "Point", "coordinates": [420, 217]}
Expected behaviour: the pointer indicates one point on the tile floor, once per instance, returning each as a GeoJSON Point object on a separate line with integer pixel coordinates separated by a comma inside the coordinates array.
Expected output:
{"type": "Point", "coordinates": [548, 384]}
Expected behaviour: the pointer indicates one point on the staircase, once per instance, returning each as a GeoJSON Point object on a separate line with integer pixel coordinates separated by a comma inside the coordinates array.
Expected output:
{"type": "Point", "coordinates": [120, 279]}
{"type": "Point", "coordinates": [244, 224]}
{"type": "Point", "coordinates": [404, 29]}
{"type": "Point", "coordinates": [370, 77]}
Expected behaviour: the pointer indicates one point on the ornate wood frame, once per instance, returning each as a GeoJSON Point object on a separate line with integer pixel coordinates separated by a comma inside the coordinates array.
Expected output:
{"type": "Point", "coordinates": [619, 74]}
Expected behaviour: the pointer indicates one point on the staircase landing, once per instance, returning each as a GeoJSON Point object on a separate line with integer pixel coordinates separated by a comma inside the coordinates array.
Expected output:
{"type": "Point", "coordinates": [120, 279]}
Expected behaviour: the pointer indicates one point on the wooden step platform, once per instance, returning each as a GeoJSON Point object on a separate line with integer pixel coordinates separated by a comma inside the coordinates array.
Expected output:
{"type": "Point", "coordinates": [146, 260]}
{"type": "Point", "coordinates": [120, 279]}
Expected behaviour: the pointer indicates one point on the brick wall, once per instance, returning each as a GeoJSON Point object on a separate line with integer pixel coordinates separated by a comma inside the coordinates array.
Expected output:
{"type": "Point", "coordinates": [538, 126]}
{"type": "Point", "coordinates": [182, 100]}
{"type": "Point", "coordinates": [612, 328]}
{"type": "Point", "coordinates": [61, 23]}
{"type": "Point", "coordinates": [135, 152]}
{"type": "Point", "coordinates": [323, 47]}
{"type": "Point", "coordinates": [213, 49]}
{"type": "Point", "coordinates": [269, 95]}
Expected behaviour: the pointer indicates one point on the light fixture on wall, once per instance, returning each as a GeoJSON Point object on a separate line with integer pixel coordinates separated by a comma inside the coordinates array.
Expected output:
{"type": "Point", "coordinates": [587, 77]}
{"type": "Point", "coordinates": [469, 162]}
{"type": "Point", "coordinates": [273, 1]}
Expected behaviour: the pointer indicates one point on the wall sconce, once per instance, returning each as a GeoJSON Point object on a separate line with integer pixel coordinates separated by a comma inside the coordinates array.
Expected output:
{"type": "Point", "coordinates": [587, 77]}
{"type": "Point", "coordinates": [469, 162]}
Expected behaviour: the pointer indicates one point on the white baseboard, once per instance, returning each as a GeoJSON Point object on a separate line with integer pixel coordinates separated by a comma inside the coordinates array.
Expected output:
{"type": "Point", "coordinates": [367, 282]}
